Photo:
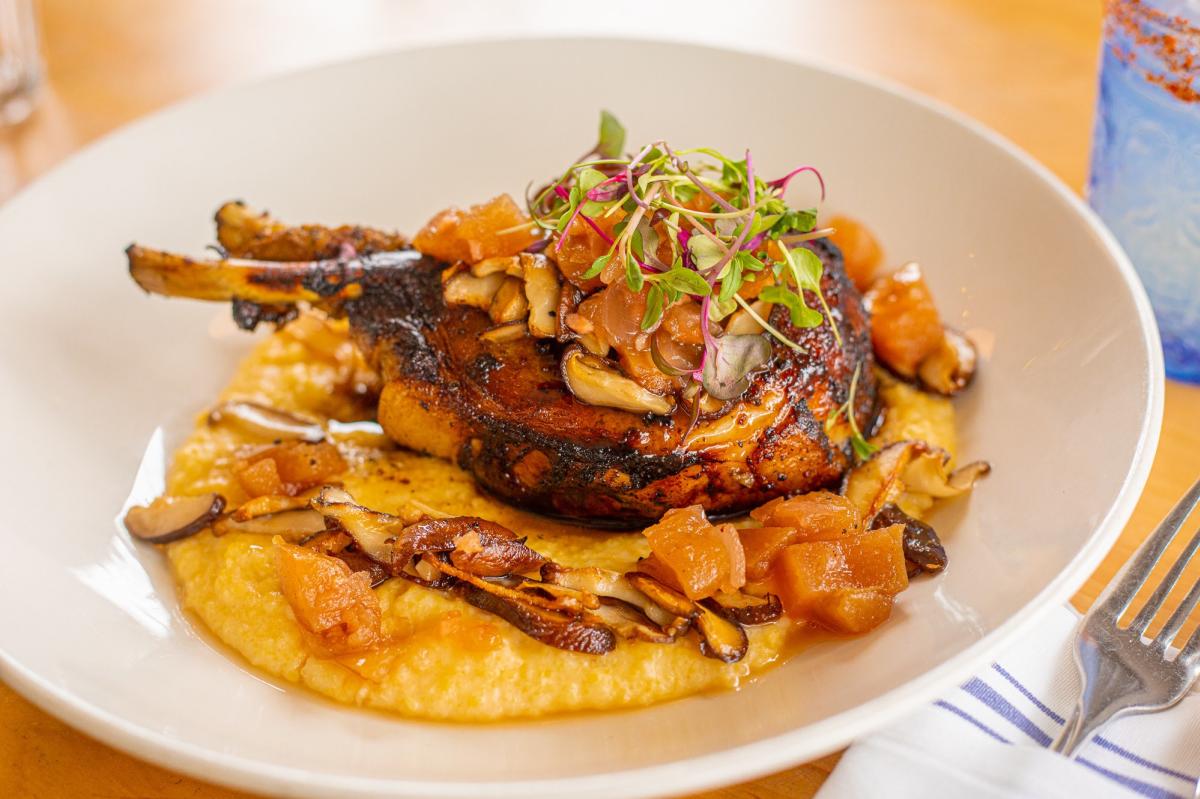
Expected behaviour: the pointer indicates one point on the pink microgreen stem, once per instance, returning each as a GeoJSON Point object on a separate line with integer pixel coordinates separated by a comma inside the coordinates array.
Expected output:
{"type": "Point", "coordinates": [781, 183]}
{"type": "Point", "coordinates": [599, 232]}
{"type": "Point", "coordinates": [683, 167]}
{"type": "Point", "coordinates": [629, 174]}
{"type": "Point", "coordinates": [741, 239]}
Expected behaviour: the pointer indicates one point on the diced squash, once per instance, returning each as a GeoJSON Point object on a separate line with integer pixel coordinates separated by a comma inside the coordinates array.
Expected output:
{"type": "Point", "coordinates": [814, 579]}
{"type": "Point", "coordinates": [816, 516]}
{"type": "Point", "coordinates": [861, 252]}
{"type": "Point", "coordinates": [852, 610]}
{"type": "Point", "coordinates": [307, 465]}
{"type": "Point", "coordinates": [819, 514]}
{"type": "Point", "coordinates": [682, 322]}
{"type": "Point", "coordinates": [763, 544]}
{"type": "Point", "coordinates": [905, 327]}
{"type": "Point", "coordinates": [653, 565]}
{"type": "Point", "coordinates": [703, 558]}
{"type": "Point", "coordinates": [259, 478]}
{"type": "Point", "coordinates": [289, 468]}
{"type": "Point", "coordinates": [579, 246]}
{"type": "Point", "coordinates": [494, 228]}
{"type": "Point", "coordinates": [335, 607]}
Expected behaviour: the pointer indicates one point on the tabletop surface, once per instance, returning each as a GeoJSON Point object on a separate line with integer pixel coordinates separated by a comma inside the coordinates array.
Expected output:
{"type": "Point", "coordinates": [1024, 67]}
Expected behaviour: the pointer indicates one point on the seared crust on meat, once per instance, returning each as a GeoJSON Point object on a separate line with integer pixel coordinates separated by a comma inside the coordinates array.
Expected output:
{"type": "Point", "coordinates": [501, 408]}
{"type": "Point", "coordinates": [503, 412]}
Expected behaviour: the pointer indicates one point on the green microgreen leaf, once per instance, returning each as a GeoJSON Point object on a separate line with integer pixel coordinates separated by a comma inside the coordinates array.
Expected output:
{"type": "Point", "coordinates": [597, 267]}
{"type": "Point", "coordinates": [733, 172]}
{"type": "Point", "coordinates": [654, 307]}
{"type": "Point", "coordinates": [649, 236]}
{"type": "Point", "coordinates": [763, 222]}
{"type": "Point", "coordinates": [635, 243]}
{"type": "Point", "coordinates": [612, 136]}
{"type": "Point", "coordinates": [793, 221]}
{"type": "Point", "coordinates": [862, 448]}
{"type": "Point", "coordinates": [719, 310]}
{"type": "Point", "coordinates": [633, 274]}
{"type": "Point", "coordinates": [685, 281]}
{"type": "Point", "coordinates": [750, 262]}
{"type": "Point", "coordinates": [589, 178]}
{"type": "Point", "coordinates": [734, 358]}
{"type": "Point", "coordinates": [705, 252]}
{"type": "Point", "coordinates": [801, 315]}
{"type": "Point", "coordinates": [685, 193]}
{"type": "Point", "coordinates": [807, 268]}
{"type": "Point", "coordinates": [731, 279]}
{"type": "Point", "coordinates": [643, 183]}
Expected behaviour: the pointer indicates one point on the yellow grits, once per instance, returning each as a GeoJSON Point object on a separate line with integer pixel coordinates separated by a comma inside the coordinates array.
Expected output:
{"type": "Point", "coordinates": [446, 659]}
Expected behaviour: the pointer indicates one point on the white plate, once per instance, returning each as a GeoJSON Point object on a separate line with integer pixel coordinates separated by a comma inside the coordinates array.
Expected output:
{"type": "Point", "coordinates": [1067, 407]}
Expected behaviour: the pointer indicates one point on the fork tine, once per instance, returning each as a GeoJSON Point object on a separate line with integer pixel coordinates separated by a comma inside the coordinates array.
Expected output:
{"type": "Point", "coordinates": [1126, 584]}
{"type": "Point", "coordinates": [1167, 634]}
{"type": "Point", "coordinates": [1189, 654]}
{"type": "Point", "coordinates": [1154, 603]}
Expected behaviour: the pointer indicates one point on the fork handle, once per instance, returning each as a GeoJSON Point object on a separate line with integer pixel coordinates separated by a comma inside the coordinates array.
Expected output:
{"type": "Point", "coordinates": [1080, 726]}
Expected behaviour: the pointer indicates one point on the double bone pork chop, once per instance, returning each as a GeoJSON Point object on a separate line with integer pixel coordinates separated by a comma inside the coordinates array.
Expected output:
{"type": "Point", "coordinates": [502, 406]}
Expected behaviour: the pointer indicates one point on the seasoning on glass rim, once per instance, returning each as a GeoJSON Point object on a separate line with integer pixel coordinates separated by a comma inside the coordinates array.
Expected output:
{"type": "Point", "coordinates": [1145, 170]}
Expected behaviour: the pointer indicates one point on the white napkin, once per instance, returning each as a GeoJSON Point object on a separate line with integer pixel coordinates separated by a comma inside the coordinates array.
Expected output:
{"type": "Point", "coordinates": [989, 738]}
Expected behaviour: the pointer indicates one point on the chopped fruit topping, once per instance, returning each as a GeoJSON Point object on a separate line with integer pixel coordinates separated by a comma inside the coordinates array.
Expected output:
{"type": "Point", "coordinates": [580, 245]}
{"type": "Point", "coordinates": [861, 252]}
{"type": "Point", "coordinates": [816, 516]}
{"type": "Point", "coordinates": [259, 478]}
{"type": "Point", "coordinates": [905, 327]}
{"type": "Point", "coordinates": [497, 227]}
{"type": "Point", "coordinates": [334, 606]}
{"type": "Point", "coordinates": [703, 558]}
{"type": "Point", "coordinates": [288, 469]}
{"type": "Point", "coordinates": [819, 515]}
{"type": "Point", "coordinates": [814, 578]}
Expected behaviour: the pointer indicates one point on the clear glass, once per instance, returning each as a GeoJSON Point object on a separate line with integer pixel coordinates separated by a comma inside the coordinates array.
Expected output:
{"type": "Point", "coordinates": [20, 60]}
{"type": "Point", "coordinates": [1145, 170]}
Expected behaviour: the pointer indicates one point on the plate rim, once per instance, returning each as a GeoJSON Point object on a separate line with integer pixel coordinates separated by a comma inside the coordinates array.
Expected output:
{"type": "Point", "coordinates": [707, 771]}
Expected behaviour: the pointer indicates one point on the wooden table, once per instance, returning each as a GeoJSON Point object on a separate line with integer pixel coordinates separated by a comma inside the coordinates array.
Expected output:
{"type": "Point", "coordinates": [1024, 67]}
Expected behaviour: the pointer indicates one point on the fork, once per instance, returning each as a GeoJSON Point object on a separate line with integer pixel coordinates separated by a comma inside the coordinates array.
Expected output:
{"type": "Point", "coordinates": [1123, 672]}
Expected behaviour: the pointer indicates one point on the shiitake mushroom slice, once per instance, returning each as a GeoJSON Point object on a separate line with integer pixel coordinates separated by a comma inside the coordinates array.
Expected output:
{"type": "Point", "coordinates": [168, 519]}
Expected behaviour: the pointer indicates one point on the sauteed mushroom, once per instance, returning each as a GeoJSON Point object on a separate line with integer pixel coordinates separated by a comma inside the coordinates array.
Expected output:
{"type": "Point", "coordinates": [463, 288]}
{"type": "Point", "coordinates": [543, 292]}
{"type": "Point", "coordinates": [168, 519]}
{"type": "Point", "coordinates": [594, 381]}
{"type": "Point", "coordinates": [267, 422]}
{"type": "Point", "coordinates": [720, 638]}
{"type": "Point", "coordinates": [923, 550]}
{"type": "Point", "coordinates": [555, 629]}
{"type": "Point", "coordinates": [906, 468]}
{"type": "Point", "coordinates": [744, 608]}
{"type": "Point", "coordinates": [291, 525]}
{"type": "Point", "coordinates": [949, 369]}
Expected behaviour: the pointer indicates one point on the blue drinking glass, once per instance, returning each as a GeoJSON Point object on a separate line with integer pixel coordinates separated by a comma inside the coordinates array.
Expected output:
{"type": "Point", "coordinates": [1145, 170]}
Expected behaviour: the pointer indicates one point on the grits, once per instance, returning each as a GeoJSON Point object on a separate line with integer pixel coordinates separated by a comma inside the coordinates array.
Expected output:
{"type": "Point", "coordinates": [446, 659]}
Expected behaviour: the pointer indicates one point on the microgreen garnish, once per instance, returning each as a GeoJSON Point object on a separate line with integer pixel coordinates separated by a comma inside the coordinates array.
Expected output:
{"type": "Point", "coordinates": [693, 223]}
{"type": "Point", "coordinates": [862, 448]}
{"type": "Point", "coordinates": [726, 373]}
{"type": "Point", "coordinates": [612, 136]}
